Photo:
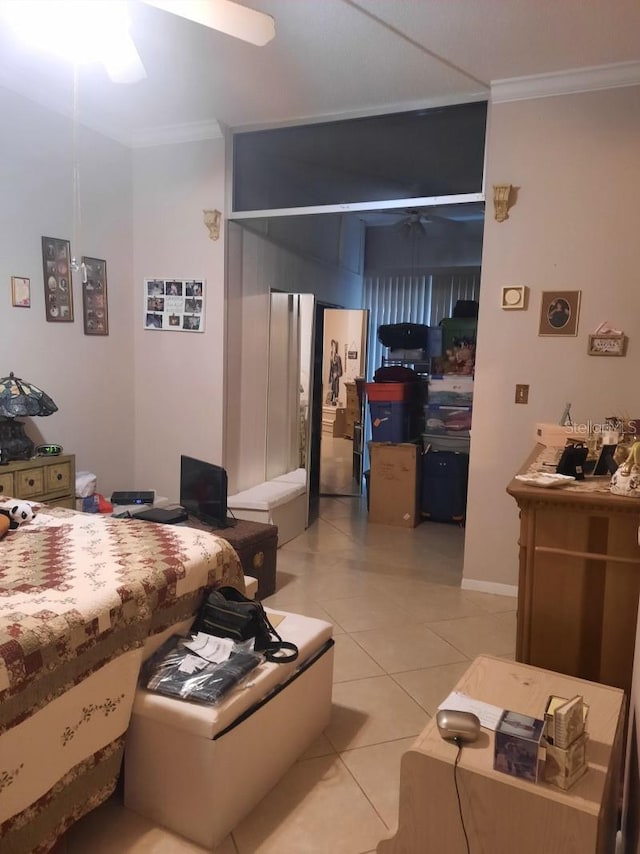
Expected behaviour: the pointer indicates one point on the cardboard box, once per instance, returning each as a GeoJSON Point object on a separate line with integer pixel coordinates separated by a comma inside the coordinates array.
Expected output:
{"type": "Point", "coordinates": [394, 485]}
{"type": "Point", "coordinates": [518, 745]}
{"type": "Point", "coordinates": [340, 423]}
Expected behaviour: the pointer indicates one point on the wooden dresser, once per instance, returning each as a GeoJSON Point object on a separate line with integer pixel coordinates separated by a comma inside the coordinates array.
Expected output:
{"type": "Point", "coordinates": [579, 579]}
{"type": "Point", "coordinates": [50, 480]}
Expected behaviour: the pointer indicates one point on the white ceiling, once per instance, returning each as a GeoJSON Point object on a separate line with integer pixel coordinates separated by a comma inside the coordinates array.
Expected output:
{"type": "Point", "coordinates": [329, 58]}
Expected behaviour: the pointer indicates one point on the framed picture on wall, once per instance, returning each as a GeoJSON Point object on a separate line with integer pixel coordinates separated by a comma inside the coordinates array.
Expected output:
{"type": "Point", "coordinates": [559, 311]}
{"type": "Point", "coordinates": [94, 297]}
{"type": "Point", "coordinates": [174, 304]}
{"type": "Point", "coordinates": [58, 292]}
{"type": "Point", "coordinates": [20, 292]}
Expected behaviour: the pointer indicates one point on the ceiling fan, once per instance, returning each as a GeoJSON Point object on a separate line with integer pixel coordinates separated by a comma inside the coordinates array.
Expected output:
{"type": "Point", "coordinates": [87, 31]}
{"type": "Point", "coordinates": [225, 16]}
{"type": "Point", "coordinates": [411, 222]}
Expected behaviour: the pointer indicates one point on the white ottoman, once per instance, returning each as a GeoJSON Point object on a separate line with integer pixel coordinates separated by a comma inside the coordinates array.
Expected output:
{"type": "Point", "coordinates": [199, 770]}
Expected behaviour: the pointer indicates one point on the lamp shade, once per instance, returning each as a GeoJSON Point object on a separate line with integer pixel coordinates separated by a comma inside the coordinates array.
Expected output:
{"type": "Point", "coordinates": [20, 398]}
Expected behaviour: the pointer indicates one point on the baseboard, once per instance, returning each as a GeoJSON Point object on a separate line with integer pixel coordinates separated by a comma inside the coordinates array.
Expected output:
{"type": "Point", "coordinates": [490, 587]}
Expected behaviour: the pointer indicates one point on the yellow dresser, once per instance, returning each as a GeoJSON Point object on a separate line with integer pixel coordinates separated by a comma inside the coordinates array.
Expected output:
{"type": "Point", "coordinates": [50, 480]}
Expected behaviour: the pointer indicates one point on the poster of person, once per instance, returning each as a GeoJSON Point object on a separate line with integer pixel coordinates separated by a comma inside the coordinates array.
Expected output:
{"type": "Point", "coordinates": [174, 304]}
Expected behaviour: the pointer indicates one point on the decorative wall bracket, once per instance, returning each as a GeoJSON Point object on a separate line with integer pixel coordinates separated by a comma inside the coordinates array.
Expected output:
{"type": "Point", "coordinates": [501, 193]}
{"type": "Point", "coordinates": [212, 221]}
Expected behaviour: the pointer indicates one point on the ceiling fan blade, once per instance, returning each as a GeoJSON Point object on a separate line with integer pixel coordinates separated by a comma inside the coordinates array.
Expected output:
{"type": "Point", "coordinates": [124, 64]}
{"type": "Point", "coordinates": [223, 15]}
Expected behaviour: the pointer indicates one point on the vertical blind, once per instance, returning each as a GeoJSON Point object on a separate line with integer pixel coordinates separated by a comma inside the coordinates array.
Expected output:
{"type": "Point", "coordinates": [412, 298]}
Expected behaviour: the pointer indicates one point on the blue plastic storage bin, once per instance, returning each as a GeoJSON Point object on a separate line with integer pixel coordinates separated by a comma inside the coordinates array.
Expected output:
{"type": "Point", "coordinates": [390, 421]}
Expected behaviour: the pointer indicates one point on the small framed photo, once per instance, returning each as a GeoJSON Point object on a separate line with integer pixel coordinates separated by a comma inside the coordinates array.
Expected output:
{"type": "Point", "coordinates": [20, 292]}
{"type": "Point", "coordinates": [58, 291]}
{"type": "Point", "coordinates": [559, 311]}
{"type": "Point", "coordinates": [94, 297]}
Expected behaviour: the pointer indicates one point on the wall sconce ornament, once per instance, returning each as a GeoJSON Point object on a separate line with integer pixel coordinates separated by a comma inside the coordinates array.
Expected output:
{"type": "Point", "coordinates": [212, 221]}
{"type": "Point", "coordinates": [606, 341]}
{"type": "Point", "coordinates": [501, 193]}
{"type": "Point", "coordinates": [515, 297]}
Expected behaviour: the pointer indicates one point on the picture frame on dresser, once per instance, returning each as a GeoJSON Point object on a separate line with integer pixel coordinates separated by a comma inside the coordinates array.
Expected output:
{"type": "Point", "coordinates": [58, 285]}
{"type": "Point", "coordinates": [95, 309]}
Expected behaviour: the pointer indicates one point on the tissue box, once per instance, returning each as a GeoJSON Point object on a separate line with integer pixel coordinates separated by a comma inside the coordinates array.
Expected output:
{"type": "Point", "coordinates": [85, 484]}
{"type": "Point", "coordinates": [569, 728]}
{"type": "Point", "coordinates": [518, 744]}
{"type": "Point", "coordinates": [555, 435]}
{"type": "Point", "coordinates": [563, 767]}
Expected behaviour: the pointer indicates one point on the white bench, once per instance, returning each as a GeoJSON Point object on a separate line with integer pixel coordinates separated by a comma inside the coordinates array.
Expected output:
{"type": "Point", "coordinates": [275, 502]}
{"type": "Point", "coordinates": [199, 770]}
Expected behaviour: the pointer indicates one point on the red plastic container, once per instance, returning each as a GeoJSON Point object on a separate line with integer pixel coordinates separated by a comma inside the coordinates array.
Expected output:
{"type": "Point", "coordinates": [391, 392]}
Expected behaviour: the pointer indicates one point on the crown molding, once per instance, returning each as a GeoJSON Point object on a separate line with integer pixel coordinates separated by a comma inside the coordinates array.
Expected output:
{"type": "Point", "coordinates": [174, 134]}
{"type": "Point", "coordinates": [566, 82]}
{"type": "Point", "coordinates": [142, 138]}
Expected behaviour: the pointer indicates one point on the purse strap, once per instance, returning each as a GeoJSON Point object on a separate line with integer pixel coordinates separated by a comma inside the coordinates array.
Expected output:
{"type": "Point", "coordinates": [278, 651]}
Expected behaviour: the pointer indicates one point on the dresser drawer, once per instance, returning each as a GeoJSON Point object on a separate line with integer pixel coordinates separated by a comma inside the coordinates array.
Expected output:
{"type": "Point", "coordinates": [6, 485]}
{"type": "Point", "coordinates": [29, 483]}
{"type": "Point", "coordinates": [57, 477]}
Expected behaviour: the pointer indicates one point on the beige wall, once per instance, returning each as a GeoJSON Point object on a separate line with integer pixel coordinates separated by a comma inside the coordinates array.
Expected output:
{"type": "Point", "coordinates": [89, 377]}
{"type": "Point", "coordinates": [576, 162]}
{"type": "Point", "coordinates": [178, 379]}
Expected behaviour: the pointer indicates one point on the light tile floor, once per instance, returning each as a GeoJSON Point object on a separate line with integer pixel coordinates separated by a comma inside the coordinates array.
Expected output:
{"type": "Point", "coordinates": [404, 633]}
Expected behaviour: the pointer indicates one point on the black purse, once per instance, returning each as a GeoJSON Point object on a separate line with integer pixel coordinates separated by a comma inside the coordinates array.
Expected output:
{"type": "Point", "coordinates": [227, 613]}
{"type": "Point", "coordinates": [572, 461]}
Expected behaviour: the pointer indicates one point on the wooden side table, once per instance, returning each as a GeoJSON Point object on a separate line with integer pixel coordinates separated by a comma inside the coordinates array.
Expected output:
{"type": "Point", "coordinates": [504, 814]}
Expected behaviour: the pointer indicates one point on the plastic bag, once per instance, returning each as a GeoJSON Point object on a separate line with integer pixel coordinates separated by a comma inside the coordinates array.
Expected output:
{"type": "Point", "coordinates": [176, 671]}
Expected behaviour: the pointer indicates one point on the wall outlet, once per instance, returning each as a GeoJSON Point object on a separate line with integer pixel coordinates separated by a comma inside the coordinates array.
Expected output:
{"type": "Point", "coordinates": [522, 394]}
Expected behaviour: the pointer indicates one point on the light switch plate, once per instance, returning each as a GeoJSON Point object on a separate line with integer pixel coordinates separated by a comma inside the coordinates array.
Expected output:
{"type": "Point", "coordinates": [522, 394]}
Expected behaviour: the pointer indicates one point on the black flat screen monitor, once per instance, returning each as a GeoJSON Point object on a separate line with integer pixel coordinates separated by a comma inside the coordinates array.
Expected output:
{"type": "Point", "coordinates": [203, 491]}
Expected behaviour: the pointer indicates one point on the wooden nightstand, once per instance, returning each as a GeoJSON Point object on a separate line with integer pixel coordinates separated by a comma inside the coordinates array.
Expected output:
{"type": "Point", "coordinates": [50, 480]}
{"type": "Point", "coordinates": [504, 814]}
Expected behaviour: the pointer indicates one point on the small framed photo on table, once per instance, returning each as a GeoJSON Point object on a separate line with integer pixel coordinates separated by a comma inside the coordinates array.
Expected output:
{"type": "Point", "coordinates": [94, 297]}
{"type": "Point", "coordinates": [559, 313]}
{"type": "Point", "coordinates": [58, 291]}
{"type": "Point", "coordinates": [20, 292]}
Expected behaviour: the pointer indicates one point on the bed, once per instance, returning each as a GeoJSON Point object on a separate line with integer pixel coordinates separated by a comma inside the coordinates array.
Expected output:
{"type": "Point", "coordinates": [81, 597]}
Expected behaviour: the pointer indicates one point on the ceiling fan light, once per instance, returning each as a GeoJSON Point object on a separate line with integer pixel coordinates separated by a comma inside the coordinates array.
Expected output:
{"type": "Point", "coordinates": [78, 31]}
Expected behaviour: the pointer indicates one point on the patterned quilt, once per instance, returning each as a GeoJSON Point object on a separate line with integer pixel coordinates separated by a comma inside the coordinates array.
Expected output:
{"type": "Point", "coordinates": [77, 590]}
